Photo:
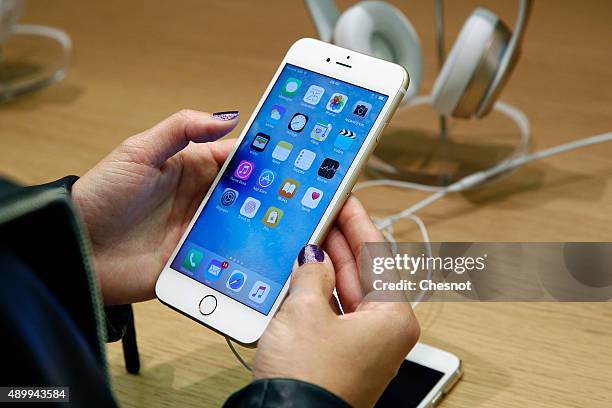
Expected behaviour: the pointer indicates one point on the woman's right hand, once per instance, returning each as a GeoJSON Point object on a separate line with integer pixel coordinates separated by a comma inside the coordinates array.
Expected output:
{"type": "Point", "coordinates": [354, 355]}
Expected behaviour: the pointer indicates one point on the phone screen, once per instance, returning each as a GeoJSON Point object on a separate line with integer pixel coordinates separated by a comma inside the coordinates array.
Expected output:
{"type": "Point", "coordinates": [277, 186]}
{"type": "Point", "coordinates": [410, 386]}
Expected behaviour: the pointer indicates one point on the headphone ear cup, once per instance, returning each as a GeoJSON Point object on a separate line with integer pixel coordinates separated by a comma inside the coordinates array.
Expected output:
{"type": "Point", "coordinates": [378, 29]}
{"type": "Point", "coordinates": [471, 65]}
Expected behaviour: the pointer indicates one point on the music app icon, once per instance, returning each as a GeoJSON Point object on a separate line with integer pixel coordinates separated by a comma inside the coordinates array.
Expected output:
{"type": "Point", "coordinates": [259, 292]}
{"type": "Point", "coordinates": [244, 170]}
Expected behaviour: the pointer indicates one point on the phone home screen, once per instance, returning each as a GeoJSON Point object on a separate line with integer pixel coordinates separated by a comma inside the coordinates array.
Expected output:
{"type": "Point", "coordinates": [277, 186]}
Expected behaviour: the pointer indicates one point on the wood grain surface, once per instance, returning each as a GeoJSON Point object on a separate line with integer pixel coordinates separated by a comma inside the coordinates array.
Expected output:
{"type": "Point", "coordinates": [136, 62]}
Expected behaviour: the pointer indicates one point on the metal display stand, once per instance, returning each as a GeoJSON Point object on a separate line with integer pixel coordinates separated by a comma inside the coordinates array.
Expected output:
{"type": "Point", "coordinates": [32, 58]}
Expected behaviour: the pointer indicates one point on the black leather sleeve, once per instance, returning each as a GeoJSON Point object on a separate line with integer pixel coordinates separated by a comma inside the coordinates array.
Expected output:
{"type": "Point", "coordinates": [117, 318]}
{"type": "Point", "coordinates": [51, 316]}
{"type": "Point", "coordinates": [284, 393]}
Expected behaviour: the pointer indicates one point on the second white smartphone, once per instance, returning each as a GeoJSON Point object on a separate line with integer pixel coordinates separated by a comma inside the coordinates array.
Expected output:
{"type": "Point", "coordinates": [424, 378]}
{"type": "Point", "coordinates": [293, 166]}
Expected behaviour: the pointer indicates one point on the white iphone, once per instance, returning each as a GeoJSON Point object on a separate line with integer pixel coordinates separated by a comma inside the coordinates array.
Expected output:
{"type": "Point", "coordinates": [425, 376]}
{"type": "Point", "coordinates": [293, 166]}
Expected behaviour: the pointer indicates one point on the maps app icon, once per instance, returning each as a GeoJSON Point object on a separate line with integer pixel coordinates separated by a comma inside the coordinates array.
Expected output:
{"type": "Point", "coordinates": [320, 131]}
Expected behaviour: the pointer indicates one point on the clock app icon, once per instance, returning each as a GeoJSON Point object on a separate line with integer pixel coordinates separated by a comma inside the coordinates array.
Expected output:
{"type": "Point", "coordinates": [298, 122]}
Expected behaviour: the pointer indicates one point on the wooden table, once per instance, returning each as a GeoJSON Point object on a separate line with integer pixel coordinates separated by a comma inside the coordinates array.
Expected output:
{"type": "Point", "coordinates": [137, 62]}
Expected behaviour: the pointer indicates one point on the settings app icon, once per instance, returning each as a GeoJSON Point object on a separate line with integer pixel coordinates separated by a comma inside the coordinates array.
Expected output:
{"type": "Point", "coordinates": [229, 197]}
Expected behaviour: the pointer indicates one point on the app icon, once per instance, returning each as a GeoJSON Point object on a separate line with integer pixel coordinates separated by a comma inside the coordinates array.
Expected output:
{"type": "Point", "coordinates": [328, 168]}
{"type": "Point", "coordinates": [298, 122]}
{"type": "Point", "coordinates": [282, 150]}
{"type": "Point", "coordinates": [244, 170]}
{"type": "Point", "coordinates": [260, 142]}
{"type": "Point", "coordinates": [336, 102]}
{"type": "Point", "coordinates": [249, 207]}
{"type": "Point", "coordinates": [304, 159]}
{"type": "Point", "coordinates": [277, 112]}
{"type": "Point", "coordinates": [345, 139]}
{"type": "Point", "coordinates": [236, 281]}
{"type": "Point", "coordinates": [312, 197]}
{"type": "Point", "coordinates": [314, 94]}
{"type": "Point", "coordinates": [320, 131]}
{"type": "Point", "coordinates": [213, 272]}
{"type": "Point", "coordinates": [266, 178]}
{"type": "Point", "coordinates": [361, 108]}
{"type": "Point", "coordinates": [289, 188]}
{"type": "Point", "coordinates": [192, 259]}
{"type": "Point", "coordinates": [228, 197]}
{"type": "Point", "coordinates": [259, 292]}
{"type": "Point", "coordinates": [273, 217]}
{"type": "Point", "coordinates": [291, 86]}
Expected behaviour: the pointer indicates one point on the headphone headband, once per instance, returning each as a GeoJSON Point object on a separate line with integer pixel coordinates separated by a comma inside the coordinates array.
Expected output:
{"type": "Point", "coordinates": [509, 58]}
{"type": "Point", "coordinates": [325, 15]}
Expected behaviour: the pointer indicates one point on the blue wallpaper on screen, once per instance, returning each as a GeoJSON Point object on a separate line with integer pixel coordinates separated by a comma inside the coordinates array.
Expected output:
{"type": "Point", "coordinates": [244, 257]}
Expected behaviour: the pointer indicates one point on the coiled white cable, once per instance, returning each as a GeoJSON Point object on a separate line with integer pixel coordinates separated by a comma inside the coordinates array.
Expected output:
{"type": "Point", "coordinates": [520, 158]}
{"type": "Point", "coordinates": [513, 113]}
{"type": "Point", "coordinates": [481, 176]}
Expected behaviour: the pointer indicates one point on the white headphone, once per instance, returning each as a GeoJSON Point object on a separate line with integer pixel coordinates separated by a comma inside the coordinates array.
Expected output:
{"type": "Point", "coordinates": [477, 66]}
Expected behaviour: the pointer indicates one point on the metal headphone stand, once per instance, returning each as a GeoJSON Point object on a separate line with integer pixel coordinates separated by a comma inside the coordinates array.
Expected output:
{"type": "Point", "coordinates": [439, 22]}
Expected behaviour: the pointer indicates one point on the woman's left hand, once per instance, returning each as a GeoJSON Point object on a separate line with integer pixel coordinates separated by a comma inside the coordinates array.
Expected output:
{"type": "Point", "coordinates": [137, 202]}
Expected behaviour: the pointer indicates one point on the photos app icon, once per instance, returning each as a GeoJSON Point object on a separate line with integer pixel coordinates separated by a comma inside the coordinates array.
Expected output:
{"type": "Point", "coordinates": [337, 102]}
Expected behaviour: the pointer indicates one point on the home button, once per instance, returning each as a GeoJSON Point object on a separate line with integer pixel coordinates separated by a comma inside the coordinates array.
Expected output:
{"type": "Point", "coordinates": [208, 304]}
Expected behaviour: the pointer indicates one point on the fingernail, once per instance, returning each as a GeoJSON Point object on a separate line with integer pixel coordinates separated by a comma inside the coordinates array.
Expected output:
{"type": "Point", "coordinates": [227, 115]}
{"type": "Point", "coordinates": [311, 254]}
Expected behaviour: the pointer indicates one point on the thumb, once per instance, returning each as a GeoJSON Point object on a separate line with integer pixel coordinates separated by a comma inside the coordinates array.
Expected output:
{"type": "Point", "coordinates": [156, 145]}
{"type": "Point", "coordinates": [313, 276]}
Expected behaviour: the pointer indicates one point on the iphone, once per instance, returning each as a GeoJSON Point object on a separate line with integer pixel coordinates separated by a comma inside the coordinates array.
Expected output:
{"type": "Point", "coordinates": [289, 174]}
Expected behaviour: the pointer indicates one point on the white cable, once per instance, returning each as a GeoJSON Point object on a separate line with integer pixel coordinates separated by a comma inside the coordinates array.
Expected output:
{"type": "Point", "coordinates": [385, 225]}
{"type": "Point", "coordinates": [237, 355]}
{"type": "Point", "coordinates": [427, 242]}
{"type": "Point", "coordinates": [513, 113]}
{"type": "Point", "coordinates": [481, 176]}
{"type": "Point", "coordinates": [396, 183]}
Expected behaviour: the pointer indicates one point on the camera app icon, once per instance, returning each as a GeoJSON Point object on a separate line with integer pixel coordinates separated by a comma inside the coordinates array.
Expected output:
{"type": "Point", "coordinates": [361, 108]}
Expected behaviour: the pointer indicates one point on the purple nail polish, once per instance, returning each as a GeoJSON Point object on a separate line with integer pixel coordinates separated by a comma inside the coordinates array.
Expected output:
{"type": "Point", "coordinates": [310, 254]}
{"type": "Point", "coordinates": [227, 115]}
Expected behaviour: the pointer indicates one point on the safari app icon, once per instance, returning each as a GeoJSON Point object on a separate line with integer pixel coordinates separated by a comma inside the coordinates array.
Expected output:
{"type": "Point", "coordinates": [236, 281]}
